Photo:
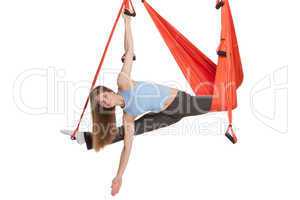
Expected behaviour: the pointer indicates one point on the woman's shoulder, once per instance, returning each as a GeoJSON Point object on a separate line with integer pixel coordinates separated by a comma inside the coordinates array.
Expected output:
{"type": "Point", "coordinates": [128, 117]}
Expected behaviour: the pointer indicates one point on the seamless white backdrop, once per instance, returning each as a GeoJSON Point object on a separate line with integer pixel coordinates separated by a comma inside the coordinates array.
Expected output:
{"type": "Point", "coordinates": [49, 52]}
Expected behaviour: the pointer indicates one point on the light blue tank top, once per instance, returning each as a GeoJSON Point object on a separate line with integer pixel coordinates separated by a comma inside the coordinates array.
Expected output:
{"type": "Point", "coordinates": [145, 97]}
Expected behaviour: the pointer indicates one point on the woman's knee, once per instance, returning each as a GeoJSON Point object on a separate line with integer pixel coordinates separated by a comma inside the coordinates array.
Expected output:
{"type": "Point", "coordinates": [200, 105]}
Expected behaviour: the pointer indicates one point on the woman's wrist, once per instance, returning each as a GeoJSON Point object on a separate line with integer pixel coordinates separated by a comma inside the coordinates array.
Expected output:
{"type": "Point", "coordinates": [127, 19]}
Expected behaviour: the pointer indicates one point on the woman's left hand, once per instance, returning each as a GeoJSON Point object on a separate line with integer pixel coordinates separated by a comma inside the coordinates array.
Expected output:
{"type": "Point", "coordinates": [116, 185]}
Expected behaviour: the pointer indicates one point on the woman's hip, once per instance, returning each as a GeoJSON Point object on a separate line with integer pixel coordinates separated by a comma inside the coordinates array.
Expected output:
{"type": "Point", "coordinates": [185, 104]}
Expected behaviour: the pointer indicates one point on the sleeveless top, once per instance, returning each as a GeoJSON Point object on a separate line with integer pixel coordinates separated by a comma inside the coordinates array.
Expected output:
{"type": "Point", "coordinates": [144, 97]}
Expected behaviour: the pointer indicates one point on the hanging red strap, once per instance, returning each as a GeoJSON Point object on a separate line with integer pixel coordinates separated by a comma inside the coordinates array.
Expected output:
{"type": "Point", "coordinates": [230, 74]}
{"type": "Point", "coordinates": [73, 136]}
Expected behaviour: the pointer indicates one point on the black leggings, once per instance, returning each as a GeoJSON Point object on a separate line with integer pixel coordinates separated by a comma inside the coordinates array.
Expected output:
{"type": "Point", "coordinates": [184, 105]}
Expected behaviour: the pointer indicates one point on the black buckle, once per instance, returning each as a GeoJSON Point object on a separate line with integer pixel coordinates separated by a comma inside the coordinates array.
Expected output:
{"type": "Point", "coordinates": [123, 58]}
{"type": "Point", "coordinates": [127, 12]}
{"type": "Point", "coordinates": [222, 53]}
{"type": "Point", "coordinates": [231, 138]}
{"type": "Point", "coordinates": [220, 4]}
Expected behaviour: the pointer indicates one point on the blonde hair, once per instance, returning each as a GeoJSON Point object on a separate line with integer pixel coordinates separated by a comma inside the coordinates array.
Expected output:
{"type": "Point", "coordinates": [104, 120]}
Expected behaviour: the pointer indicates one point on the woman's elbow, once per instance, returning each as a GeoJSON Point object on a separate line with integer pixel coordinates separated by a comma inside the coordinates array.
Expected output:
{"type": "Point", "coordinates": [123, 82]}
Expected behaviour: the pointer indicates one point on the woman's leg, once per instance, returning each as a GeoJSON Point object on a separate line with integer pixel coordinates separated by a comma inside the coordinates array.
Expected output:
{"type": "Point", "coordinates": [147, 123]}
{"type": "Point", "coordinates": [185, 105]}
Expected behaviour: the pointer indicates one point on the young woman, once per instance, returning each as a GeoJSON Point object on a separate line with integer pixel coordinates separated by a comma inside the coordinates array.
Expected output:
{"type": "Point", "coordinates": [159, 106]}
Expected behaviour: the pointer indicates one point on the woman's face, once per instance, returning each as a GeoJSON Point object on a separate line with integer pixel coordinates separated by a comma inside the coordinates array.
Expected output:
{"type": "Point", "coordinates": [106, 99]}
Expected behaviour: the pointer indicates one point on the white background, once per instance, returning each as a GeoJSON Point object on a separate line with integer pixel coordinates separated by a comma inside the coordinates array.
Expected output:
{"type": "Point", "coordinates": [49, 52]}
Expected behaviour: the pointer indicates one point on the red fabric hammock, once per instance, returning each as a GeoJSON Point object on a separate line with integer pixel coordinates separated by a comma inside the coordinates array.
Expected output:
{"type": "Point", "coordinates": [205, 77]}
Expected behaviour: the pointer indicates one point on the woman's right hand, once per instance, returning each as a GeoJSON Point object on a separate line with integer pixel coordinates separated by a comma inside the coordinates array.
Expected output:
{"type": "Point", "coordinates": [116, 185]}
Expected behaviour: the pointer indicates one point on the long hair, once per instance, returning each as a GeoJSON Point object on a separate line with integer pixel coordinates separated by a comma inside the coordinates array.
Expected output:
{"type": "Point", "coordinates": [104, 120]}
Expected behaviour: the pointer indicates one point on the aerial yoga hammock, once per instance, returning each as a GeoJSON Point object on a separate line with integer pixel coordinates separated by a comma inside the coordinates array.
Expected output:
{"type": "Point", "coordinates": [219, 80]}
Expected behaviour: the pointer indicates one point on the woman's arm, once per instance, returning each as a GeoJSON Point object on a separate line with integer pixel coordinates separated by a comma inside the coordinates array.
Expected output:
{"type": "Point", "coordinates": [124, 78]}
{"type": "Point", "coordinates": [128, 122]}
